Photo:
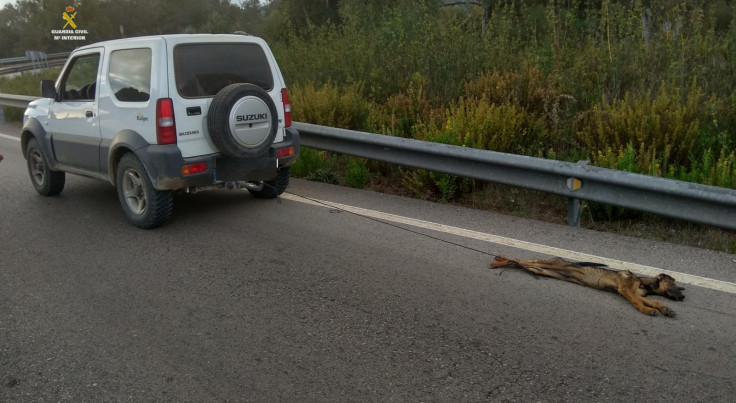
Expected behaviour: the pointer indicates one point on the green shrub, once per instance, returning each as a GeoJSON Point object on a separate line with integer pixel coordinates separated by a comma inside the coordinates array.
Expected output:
{"type": "Point", "coordinates": [24, 84]}
{"type": "Point", "coordinates": [357, 173]}
{"type": "Point", "coordinates": [479, 124]}
{"type": "Point", "coordinates": [401, 112]}
{"type": "Point", "coordinates": [707, 168]}
{"type": "Point", "coordinates": [309, 160]}
{"type": "Point", "coordinates": [329, 105]}
{"type": "Point", "coordinates": [666, 125]}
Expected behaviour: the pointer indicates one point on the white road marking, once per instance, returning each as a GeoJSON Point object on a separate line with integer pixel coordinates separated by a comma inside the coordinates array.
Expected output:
{"type": "Point", "coordinates": [5, 136]}
{"type": "Point", "coordinates": [685, 278]}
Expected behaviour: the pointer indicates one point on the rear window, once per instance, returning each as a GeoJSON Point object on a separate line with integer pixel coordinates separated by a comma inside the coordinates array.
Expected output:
{"type": "Point", "coordinates": [202, 70]}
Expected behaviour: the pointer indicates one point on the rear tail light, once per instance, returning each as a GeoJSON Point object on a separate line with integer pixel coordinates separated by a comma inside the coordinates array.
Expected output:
{"type": "Point", "coordinates": [285, 152]}
{"type": "Point", "coordinates": [191, 169]}
{"type": "Point", "coordinates": [165, 123]}
{"type": "Point", "coordinates": [287, 107]}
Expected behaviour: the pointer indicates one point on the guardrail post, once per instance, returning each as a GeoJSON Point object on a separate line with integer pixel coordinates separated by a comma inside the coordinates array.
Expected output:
{"type": "Point", "coordinates": [573, 203]}
{"type": "Point", "coordinates": [2, 116]}
{"type": "Point", "coordinates": [573, 212]}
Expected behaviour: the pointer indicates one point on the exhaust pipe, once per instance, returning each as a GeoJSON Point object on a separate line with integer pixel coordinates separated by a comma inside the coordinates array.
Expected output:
{"type": "Point", "coordinates": [254, 186]}
{"type": "Point", "coordinates": [231, 185]}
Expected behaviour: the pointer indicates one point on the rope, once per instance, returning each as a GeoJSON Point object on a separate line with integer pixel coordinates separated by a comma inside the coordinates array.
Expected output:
{"type": "Point", "coordinates": [334, 209]}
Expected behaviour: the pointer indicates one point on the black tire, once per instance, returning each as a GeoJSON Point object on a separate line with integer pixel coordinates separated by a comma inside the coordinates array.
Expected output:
{"type": "Point", "coordinates": [46, 181]}
{"type": "Point", "coordinates": [253, 135]}
{"type": "Point", "coordinates": [275, 187]}
{"type": "Point", "coordinates": [145, 206]}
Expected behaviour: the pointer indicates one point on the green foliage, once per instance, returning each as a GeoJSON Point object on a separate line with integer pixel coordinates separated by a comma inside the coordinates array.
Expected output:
{"type": "Point", "coordinates": [635, 85]}
{"type": "Point", "coordinates": [667, 125]}
{"type": "Point", "coordinates": [357, 173]}
{"type": "Point", "coordinates": [434, 185]}
{"type": "Point", "coordinates": [329, 105]}
{"type": "Point", "coordinates": [479, 124]}
{"type": "Point", "coordinates": [27, 83]}
{"type": "Point", "coordinates": [24, 84]}
{"type": "Point", "coordinates": [323, 176]}
{"type": "Point", "coordinates": [309, 160]}
{"type": "Point", "coordinates": [710, 168]}
{"type": "Point", "coordinates": [402, 112]}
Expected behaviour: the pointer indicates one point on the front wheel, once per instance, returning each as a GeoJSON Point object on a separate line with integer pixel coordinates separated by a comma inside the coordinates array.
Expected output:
{"type": "Point", "coordinates": [274, 187]}
{"type": "Point", "coordinates": [46, 181]}
{"type": "Point", "coordinates": [145, 206]}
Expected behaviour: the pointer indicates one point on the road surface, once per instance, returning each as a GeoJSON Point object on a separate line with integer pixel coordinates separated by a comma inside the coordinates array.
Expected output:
{"type": "Point", "coordinates": [242, 299]}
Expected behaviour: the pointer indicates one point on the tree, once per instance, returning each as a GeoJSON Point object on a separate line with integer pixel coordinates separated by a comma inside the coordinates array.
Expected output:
{"type": "Point", "coordinates": [298, 15]}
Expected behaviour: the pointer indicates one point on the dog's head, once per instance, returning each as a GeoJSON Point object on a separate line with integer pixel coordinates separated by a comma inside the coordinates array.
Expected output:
{"type": "Point", "coordinates": [665, 286]}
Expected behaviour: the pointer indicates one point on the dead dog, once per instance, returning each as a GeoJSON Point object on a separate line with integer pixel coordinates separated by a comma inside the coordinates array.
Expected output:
{"type": "Point", "coordinates": [632, 287]}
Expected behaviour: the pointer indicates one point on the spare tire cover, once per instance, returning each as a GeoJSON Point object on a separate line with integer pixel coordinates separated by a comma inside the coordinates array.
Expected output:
{"type": "Point", "coordinates": [242, 120]}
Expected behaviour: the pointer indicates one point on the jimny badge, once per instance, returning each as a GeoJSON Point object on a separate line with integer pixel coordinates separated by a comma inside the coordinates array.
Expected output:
{"type": "Point", "coordinates": [70, 31]}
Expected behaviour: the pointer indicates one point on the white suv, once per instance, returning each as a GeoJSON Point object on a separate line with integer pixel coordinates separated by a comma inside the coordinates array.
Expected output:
{"type": "Point", "coordinates": [157, 114]}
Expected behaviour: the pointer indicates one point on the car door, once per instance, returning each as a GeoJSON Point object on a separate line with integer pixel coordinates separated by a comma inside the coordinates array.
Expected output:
{"type": "Point", "coordinates": [74, 121]}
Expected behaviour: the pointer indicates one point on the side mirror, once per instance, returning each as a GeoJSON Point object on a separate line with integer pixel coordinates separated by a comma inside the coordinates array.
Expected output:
{"type": "Point", "coordinates": [48, 89]}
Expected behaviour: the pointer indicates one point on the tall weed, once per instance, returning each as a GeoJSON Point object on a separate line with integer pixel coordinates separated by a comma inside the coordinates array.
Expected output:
{"type": "Point", "coordinates": [330, 105]}
{"type": "Point", "coordinates": [666, 125]}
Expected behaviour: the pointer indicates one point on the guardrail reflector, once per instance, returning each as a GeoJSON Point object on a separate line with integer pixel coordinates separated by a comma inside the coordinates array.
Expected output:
{"type": "Point", "coordinates": [574, 184]}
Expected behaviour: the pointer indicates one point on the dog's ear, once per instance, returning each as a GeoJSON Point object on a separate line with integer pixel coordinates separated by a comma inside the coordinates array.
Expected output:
{"type": "Point", "coordinates": [668, 288]}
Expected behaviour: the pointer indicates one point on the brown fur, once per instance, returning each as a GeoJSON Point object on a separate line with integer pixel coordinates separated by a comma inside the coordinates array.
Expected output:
{"type": "Point", "coordinates": [632, 287]}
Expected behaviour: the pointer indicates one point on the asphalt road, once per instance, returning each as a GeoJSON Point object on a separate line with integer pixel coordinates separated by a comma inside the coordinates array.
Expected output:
{"type": "Point", "coordinates": [249, 300]}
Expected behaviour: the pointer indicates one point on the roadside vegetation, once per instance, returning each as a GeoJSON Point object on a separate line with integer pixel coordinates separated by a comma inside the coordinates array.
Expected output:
{"type": "Point", "coordinates": [634, 85]}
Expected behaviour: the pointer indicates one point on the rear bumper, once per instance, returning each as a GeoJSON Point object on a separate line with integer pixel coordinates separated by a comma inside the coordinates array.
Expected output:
{"type": "Point", "coordinates": [164, 164]}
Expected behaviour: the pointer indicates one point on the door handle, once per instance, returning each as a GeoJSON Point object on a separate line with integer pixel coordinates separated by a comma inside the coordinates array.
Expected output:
{"type": "Point", "coordinates": [89, 114]}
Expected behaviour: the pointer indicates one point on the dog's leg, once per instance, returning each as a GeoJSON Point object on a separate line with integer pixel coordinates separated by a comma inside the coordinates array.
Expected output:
{"type": "Point", "coordinates": [629, 289]}
{"type": "Point", "coordinates": [661, 308]}
{"type": "Point", "coordinates": [637, 301]}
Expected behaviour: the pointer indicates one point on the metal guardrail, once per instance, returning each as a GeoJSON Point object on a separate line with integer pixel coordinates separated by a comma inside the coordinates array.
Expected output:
{"type": "Point", "coordinates": [31, 61]}
{"type": "Point", "coordinates": [35, 56]}
{"type": "Point", "coordinates": [682, 200]}
{"type": "Point", "coordinates": [17, 101]}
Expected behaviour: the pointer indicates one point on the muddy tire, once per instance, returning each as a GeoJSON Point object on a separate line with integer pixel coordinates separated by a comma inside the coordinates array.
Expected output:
{"type": "Point", "coordinates": [46, 181]}
{"type": "Point", "coordinates": [145, 206]}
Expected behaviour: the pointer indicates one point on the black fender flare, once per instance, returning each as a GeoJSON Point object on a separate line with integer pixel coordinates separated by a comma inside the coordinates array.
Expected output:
{"type": "Point", "coordinates": [162, 162]}
{"type": "Point", "coordinates": [32, 128]}
{"type": "Point", "coordinates": [123, 142]}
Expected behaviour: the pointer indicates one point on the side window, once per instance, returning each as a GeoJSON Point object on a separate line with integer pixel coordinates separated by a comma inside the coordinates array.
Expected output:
{"type": "Point", "coordinates": [80, 82]}
{"type": "Point", "coordinates": [130, 75]}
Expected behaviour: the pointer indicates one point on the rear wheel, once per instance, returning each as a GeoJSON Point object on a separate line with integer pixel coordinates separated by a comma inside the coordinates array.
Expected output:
{"type": "Point", "coordinates": [275, 187]}
{"type": "Point", "coordinates": [46, 181]}
{"type": "Point", "coordinates": [145, 206]}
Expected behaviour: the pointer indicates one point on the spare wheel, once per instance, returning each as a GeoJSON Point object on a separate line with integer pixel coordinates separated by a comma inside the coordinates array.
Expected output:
{"type": "Point", "coordinates": [242, 120]}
